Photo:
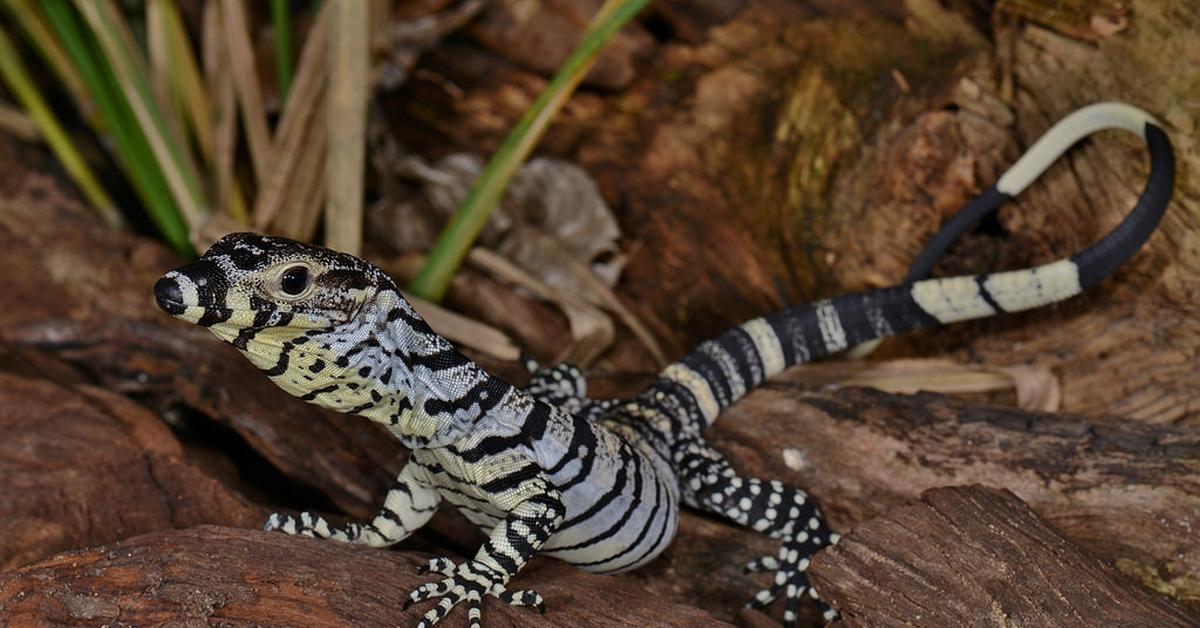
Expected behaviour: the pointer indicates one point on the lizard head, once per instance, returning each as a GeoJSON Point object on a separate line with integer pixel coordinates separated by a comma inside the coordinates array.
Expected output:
{"type": "Point", "coordinates": [331, 329]}
{"type": "Point", "coordinates": [307, 316]}
{"type": "Point", "coordinates": [249, 282]}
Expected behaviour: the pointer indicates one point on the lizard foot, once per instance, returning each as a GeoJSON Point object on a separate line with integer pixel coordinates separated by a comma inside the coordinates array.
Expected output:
{"type": "Point", "coordinates": [791, 576]}
{"type": "Point", "coordinates": [467, 582]}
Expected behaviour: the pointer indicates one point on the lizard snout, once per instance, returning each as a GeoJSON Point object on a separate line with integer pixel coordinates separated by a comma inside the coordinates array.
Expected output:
{"type": "Point", "coordinates": [169, 295]}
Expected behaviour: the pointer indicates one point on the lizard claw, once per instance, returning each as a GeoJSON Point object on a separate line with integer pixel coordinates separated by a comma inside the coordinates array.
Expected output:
{"type": "Point", "coordinates": [791, 572]}
{"type": "Point", "coordinates": [440, 566]}
{"type": "Point", "coordinates": [466, 583]}
{"type": "Point", "coordinates": [526, 597]}
{"type": "Point", "coordinates": [765, 563]}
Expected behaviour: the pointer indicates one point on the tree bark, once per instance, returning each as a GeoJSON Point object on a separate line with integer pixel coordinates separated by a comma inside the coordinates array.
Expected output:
{"type": "Point", "coordinates": [227, 576]}
{"type": "Point", "coordinates": [1126, 492]}
{"type": "Point", "coordinates": [976, 556]}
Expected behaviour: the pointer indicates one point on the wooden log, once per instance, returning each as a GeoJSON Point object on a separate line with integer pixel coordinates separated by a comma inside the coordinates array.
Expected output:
{"type": "Point", "coordinates": [970, 556]}
{"type": "Point", "coordinates": [225, 576]}
{"type": "Point", "coordinates": [1128, 493]}
{"type": "Point", "coordinates": [83, 466]}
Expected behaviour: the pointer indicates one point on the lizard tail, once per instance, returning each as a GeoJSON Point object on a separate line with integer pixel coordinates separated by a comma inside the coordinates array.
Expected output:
{"type": "Point", "coordinates": [720, 371]}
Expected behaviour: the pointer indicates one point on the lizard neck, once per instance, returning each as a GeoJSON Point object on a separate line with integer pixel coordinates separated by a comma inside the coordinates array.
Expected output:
{"type": "Point", "coordinates": [387, 365]}
{"type": "Point", "coordinates": [415, 382]}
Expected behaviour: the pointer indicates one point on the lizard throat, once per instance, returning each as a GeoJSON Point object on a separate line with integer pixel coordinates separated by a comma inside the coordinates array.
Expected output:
{"type": "Point", "coordinates": [385, 365]}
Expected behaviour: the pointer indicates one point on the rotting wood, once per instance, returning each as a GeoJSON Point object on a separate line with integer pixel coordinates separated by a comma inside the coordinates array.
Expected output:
{"type": "Point", "coordinates": [1129, 493]}
{"type": "Point", "coordinates": [83, 466]}
{"type": "Point", "coordinates": [217, 575]}
{"type": "Point", "coordinates": [970, 556]}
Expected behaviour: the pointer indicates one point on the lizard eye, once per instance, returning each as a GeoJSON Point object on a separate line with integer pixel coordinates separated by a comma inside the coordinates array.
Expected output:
{"type": "Point", "coordinates": [294, 280]}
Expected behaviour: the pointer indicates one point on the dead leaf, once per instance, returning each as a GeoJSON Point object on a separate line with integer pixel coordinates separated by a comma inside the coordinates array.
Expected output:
{"type": "Point", "coordinates": [591, 330]}
{"type": "Point", "coordinates": [1037, 388]}
{"type": "Point", "coordinates": [552, 222]}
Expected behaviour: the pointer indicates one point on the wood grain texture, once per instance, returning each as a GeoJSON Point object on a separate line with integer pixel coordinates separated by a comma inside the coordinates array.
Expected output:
{"type": "Point", "coordinates": [976, 556]}
{"type": "Point", "coordinates": [83, 466]}
{"type": "Point", "coordinates": [1128, 493]}
{"type": "Point", "coordinates": [210, 575]}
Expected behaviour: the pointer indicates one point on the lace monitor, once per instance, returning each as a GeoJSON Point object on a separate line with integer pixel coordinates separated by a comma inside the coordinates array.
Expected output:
{"type": "Point", "coordinates": [595, 483]}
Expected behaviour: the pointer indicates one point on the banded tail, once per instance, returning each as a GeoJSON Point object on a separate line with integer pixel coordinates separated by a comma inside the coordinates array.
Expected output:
{"type": "Point", "coordinates": [720, 371]}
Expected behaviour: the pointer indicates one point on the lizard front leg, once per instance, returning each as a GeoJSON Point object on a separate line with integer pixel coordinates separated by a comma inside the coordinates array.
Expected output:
{"type": "Point", "coordinates": [511, 544]}
{"type": "Point", "coordinates": [408, 506]}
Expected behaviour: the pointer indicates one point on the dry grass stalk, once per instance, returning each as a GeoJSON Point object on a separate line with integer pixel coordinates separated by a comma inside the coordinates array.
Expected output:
{"type": "Point", "coordinates": [346, 115]}
{"type": "Point", "coordinates": [249, 92]}
{"type": "Point", "coordinates": [1037, 388]}
{"type": "Point", "coordinates": [306, 197]}
{"type": "Point", "coordinates": [224, 112]}
{"type": "Point", "coordinates": [18, 123]}
{"type": "Point", "coordinates": [159, 54]}
{"type": "Point", "coordinates": [295, 134]}
{"type": "Point", "coordinates": [130, 70]}
{"type": "Point", "coordinates": [591, 329]}
{"type": "Point", "coordinates": [31, 21]}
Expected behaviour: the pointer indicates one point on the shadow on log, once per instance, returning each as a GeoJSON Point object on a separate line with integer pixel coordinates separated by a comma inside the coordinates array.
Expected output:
{"type": "Point", "coordinates": [969, 556]}
{"type": "Point", "coordinates": [227, 576]}
{"type": "Point", "coordinates": [85, 466]}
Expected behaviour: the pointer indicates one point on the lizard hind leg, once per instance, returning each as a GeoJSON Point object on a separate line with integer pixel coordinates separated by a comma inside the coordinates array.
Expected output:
{"type": "Point", "coordinates": [565, 387]}
{"type": "Point", "coordinates": [770, 507]}
{"type": "Point", "coordinates": [561, 385]}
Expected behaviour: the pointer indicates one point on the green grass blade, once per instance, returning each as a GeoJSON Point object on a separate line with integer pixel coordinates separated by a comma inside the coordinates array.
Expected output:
{"type": "Point", "coordinates": [39, 36]}
{"type": "Point", "coordinates": [129, 69]}
{"type": "Point", "coordinates": [281, 30]}
{"type": "Point", "coordinates": [132, 150]}
{"type": "Point", "coordinates": [17, 77]}
{"type": "Point", "coordinates": [456, 239]}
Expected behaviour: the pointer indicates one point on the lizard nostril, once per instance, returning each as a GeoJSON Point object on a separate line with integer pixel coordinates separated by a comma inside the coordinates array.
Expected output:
{"type": "Point", "coordinates": [169, 295]}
